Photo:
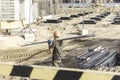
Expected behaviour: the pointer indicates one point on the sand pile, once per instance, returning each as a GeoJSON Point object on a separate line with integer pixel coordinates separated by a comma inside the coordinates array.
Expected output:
{"type": "Point", "coordinates": [11, 41]}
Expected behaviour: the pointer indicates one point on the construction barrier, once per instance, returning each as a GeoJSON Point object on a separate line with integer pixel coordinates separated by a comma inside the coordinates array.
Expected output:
{"type": "Point", "coordinates": [53, 73]}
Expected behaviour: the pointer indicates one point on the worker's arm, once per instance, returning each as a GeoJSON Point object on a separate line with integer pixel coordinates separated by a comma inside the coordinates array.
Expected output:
{"type": "Point", "coordinates": [61, 42]}
{"type": "Point", "coordinates": [50, 44]}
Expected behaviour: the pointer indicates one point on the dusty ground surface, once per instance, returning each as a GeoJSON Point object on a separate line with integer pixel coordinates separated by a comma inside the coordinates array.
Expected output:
{"type": "Point", "coordinates": [106, 35]}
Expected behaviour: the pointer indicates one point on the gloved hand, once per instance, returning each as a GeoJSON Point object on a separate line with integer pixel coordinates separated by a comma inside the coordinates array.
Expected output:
{"type": "Point", "coordinates": [60, 41]}
{"type": "Point", "coordinates": [49, 41]}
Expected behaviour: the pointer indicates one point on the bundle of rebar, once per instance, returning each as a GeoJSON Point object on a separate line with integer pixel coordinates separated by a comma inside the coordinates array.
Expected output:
{"type": "Point", "coordinates": [97, 57]}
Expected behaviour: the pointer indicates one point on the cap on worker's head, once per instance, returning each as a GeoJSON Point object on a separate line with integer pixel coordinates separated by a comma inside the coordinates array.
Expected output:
{"type": "Point", "coordinates": [56, 34]}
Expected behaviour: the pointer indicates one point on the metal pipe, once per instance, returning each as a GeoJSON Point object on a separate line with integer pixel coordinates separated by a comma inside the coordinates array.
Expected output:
{"type": "Point", "coordinates": [104, 59]}
{"type": "Point", "coordinates": [91, 52]}
{"type": "Point", "coordinates": [83, 14]}
{"type": "Point", "coordinates": [109, 61]}
{"type": "Point", "coordinates": [93, 60]}
{"type": "Point", "coordinates": [96, 58]}
{"type": "Point", "coordinates": [81, 36]}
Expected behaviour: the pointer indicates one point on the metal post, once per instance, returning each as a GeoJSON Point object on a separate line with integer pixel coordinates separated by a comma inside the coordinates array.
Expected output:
{"type": "Point", "coordinates": [28, 16]}
{"type": "Point", "coordinates": [83, 14]}
{"type": "Point", "coordinates": [0, 10]}
{"type": "Point", "coordinates": [61, 6]}
{"type": "Point", "coordinates": [30, 11]}
{"type": "Point", "coordinates": [50, 7]}
{"type": "Point", "coordinates": [56, 6]}
{"type": "Point", "coordinates": [53, 6]}
{"type": "Point", "coordinates": [74, 5]}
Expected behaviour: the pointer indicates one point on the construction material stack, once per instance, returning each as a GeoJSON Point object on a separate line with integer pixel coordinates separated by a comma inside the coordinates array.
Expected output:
{"type": "Point", "coordinates": [97, 57]}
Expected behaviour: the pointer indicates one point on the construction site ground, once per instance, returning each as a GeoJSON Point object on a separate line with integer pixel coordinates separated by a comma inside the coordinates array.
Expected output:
{"type": "Point", "coordinates": [106, 35]}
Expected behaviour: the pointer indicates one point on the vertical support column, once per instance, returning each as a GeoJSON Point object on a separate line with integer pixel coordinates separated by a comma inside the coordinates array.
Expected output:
{"type": "Point", "coordinates": [28, 11]}
{"type": "Point", "coordinates": [51, 6]}
{"type": "Point", "coordinates": [0, 11]}
{"type": "Point", "coordinates": [56, 7]}
{"type": "Point", "coordinates": [83, 14]}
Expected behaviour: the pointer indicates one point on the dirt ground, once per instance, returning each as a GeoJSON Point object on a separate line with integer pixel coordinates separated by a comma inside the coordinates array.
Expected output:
{"type": "Point", "coordinates": [106, 35]}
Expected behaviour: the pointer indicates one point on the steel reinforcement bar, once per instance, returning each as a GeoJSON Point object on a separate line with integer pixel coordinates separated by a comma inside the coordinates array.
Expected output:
{"type": "Point", "coordinates": [108, 61]}
{"type": "Point", "coordinates": [53, 73]}
{"type": "Point", "coordinates": [68, 38]}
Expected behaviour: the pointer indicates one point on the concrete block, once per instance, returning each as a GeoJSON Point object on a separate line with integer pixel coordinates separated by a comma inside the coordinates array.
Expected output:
{"type": "Point", "coordinates": [83, 32]}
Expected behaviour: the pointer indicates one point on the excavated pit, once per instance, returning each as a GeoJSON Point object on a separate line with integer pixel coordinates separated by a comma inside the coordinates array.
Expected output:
{"type": "Point", "coordinates": [70, 61]}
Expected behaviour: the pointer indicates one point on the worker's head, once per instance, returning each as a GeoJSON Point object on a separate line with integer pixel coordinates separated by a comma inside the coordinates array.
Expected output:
{"type": "Point", "coordinates": [56, 34]}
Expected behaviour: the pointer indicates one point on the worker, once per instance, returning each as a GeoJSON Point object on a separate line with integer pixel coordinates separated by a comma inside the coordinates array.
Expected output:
{"type": "Point", "coordinates": [57, 46]}
{"type": "Point", "coordinates": [118, 56]}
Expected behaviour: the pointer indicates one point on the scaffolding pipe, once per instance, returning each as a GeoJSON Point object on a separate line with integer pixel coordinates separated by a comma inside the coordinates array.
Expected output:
{"type": "Point", "coordinates": [81, 36]}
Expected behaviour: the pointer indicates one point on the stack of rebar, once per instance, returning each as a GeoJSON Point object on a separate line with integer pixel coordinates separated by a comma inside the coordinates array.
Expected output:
{"type": "Point", "coordinates": [97, 57]}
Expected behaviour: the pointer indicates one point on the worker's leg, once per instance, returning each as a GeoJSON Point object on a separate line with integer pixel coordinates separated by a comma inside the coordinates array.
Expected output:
{"type": "Point", "coordinates": [56, 64]}
{"type": "Point", "coordinates": [53, 63]}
